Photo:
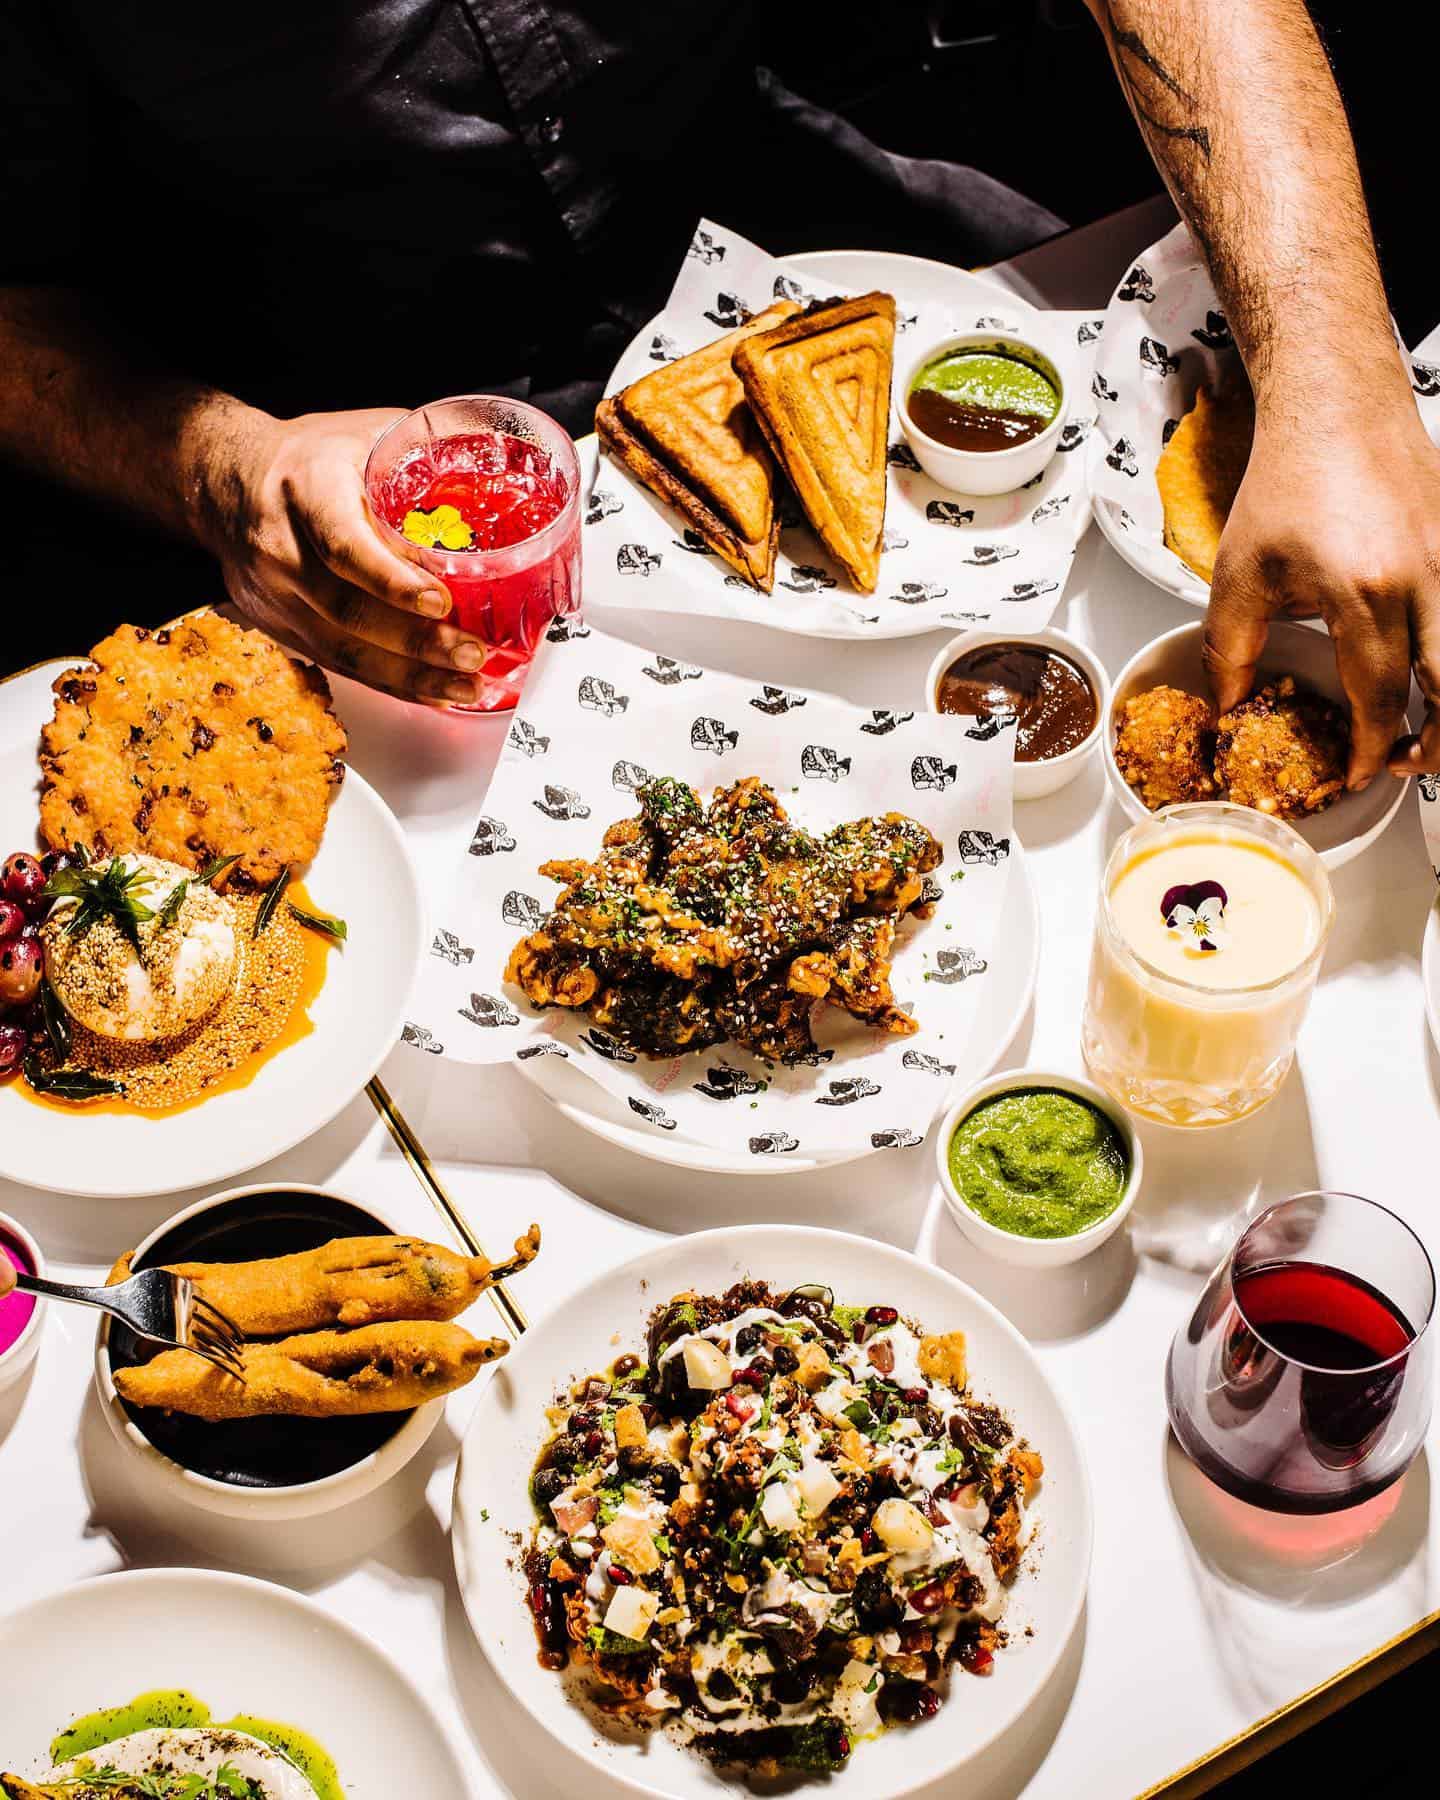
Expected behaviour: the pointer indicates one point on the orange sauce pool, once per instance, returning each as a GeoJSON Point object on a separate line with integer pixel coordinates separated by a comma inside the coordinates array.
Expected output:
{"type": "Point", "coordinates": [298, 1025]}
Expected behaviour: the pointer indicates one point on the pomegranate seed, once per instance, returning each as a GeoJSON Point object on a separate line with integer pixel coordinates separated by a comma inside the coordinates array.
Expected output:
{"type": "Point", "coordinates": [867, 1540]}
{"type": "Point", "coordinates": [742, 1408]}
{"type": "Point", "coordinates": [842, 1746]}
{"type": "Point", "coordinates": [881, 1315]}
{"type": "Point", "coordinates": [927, 1703]}
{"type": "Point", "coordinates": [752, 1375]}
{"type": "Point", "coordinates": [915, 1396]}
{"type": "Point", "coordinates": [621, 1577]}
{"type": "Point", "coordinates": [978, 1661]}
{"type": "Point", "coordinates": [929, 1599]}
{"type": "Point", "coordinates": [594, 1443]}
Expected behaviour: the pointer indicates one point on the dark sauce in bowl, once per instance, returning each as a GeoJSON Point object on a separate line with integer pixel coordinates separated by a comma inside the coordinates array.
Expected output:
{"type": "Point", "coordinates": [1049, 696]}
{"type": "Point", "coordinates": [269, 1452]}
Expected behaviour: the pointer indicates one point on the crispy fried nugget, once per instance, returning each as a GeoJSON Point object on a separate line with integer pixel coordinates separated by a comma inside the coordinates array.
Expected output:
{"type": "Point", "coordinates": [202, 741]}
{"type": "Point", "coordinates": [318, 1375]}
{"type": "Point", "coordinates": [1284, 751]}
{"type": "Point", "coordinates": [1200, 471]}
{"type": "Point", "coordinates": [1165, 747]}
{"type": "Point", "coordinates": [350, 1281]}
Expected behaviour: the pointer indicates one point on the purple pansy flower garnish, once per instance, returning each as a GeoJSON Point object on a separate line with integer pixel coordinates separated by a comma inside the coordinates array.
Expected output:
{"type": "Point", "coordinates": [1195, 912]}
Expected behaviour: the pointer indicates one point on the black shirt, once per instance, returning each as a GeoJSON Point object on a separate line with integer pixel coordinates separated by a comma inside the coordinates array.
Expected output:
{"type": "Point", "coordinates": [339, 203]}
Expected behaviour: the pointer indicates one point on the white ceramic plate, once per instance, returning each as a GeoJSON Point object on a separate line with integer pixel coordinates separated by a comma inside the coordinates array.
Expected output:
{"type": "Point", "coordinates": [492, 1504]}
{"type": "Point", "coordinates": [1430, 972]}
{"type": "Point", "coordinates": [364, 873]}
{"type": "Point", "coordinates": [1336, 835]}
{"type": "Point", "coordinates": [1005, 999]}
{"type": "Point", "coordinates": [923, 283]}
{"type": "Point", "coordinates": [239, 1645]}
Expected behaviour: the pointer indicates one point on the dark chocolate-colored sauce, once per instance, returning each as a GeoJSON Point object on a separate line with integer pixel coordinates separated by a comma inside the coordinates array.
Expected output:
{"type": "Point", "coordinates": [1054, 705]}
{"type": "Point", "coordinates": [965, 426]}
{"type": "Point", "coordinates": [267, 1452]}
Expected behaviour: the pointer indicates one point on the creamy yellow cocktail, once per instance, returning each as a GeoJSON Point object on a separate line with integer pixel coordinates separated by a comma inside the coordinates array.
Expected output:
{"type": "Point", "coordinates": [1212, 924]}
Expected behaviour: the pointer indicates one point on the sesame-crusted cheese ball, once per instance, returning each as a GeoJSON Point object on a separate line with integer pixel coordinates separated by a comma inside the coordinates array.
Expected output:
{"type": "Point", "coordinates": [182, 969]}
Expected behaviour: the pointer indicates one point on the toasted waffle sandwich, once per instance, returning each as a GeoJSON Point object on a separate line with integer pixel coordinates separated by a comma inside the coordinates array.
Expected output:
{"type": "Point", "coordinates": [819, 387]}
{"type": "Point", "coordinates": [687, 434]}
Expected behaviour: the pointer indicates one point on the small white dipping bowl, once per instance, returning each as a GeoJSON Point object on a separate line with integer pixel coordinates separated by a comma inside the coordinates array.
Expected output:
{"type": "Point", "coordinates": [1009, 1246]}
{"type": "Point", "coordinates": [984, 472]}
{"type": "Point", "coordinates": [1034, 779]}
{"type": "Point", "coordinates": [303, 1500]}
{"type": "Point", "coordinates": [18, 1358]}
{"type": "Point", "coordinates": [1336, 835]}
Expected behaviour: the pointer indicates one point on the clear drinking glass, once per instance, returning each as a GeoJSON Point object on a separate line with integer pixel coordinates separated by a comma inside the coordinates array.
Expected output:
{"type": "Point", "coordinates": [511, 473]}
{"type": "Point", "coordinates": [1302, 1382]}
{"type": "Point", "coordinates": [1179, 1050]}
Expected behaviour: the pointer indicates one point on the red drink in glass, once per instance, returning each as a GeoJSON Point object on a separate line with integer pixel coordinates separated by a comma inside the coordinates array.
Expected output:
{"type": "Point", "coordinates": [485, 493]}
{"type": "Point", "coordinates": [1302, 1382]}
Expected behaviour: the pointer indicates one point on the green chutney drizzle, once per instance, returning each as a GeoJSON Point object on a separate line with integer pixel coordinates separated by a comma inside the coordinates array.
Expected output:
{"type": "Point", "coordinates": [1038, 1163]}
{"type": "Point", "coordinates": [172, 1709]}
{"type": "Point", "coordinates": [982, 400]}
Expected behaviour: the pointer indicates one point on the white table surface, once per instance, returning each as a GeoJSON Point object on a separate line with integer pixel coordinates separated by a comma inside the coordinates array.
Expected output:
{"type": "Point", "coordinates": [1203, 1615]}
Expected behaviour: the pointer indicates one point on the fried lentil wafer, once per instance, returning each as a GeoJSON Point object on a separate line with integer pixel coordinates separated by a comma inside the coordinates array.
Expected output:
{"type": "Point", "coordinates": [317, 1374]}
{"type": "Point", "coordinates": [197, 742]}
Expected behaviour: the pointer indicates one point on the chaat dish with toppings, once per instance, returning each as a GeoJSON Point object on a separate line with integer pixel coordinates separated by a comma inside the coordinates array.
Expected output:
{"type": "Point", "coordinates": [788, 1527]}
{"type": "Point", "coordinates": [696, 924]}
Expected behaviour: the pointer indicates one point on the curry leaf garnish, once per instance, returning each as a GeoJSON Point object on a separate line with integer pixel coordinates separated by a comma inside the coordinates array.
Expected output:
{"type": "Point", "coordinates": [57, 1022]}
{"type": "Point", "coordinates": [174, 900]}
{"type": "Point", "coordinates": [274, 894]}
{"type": "Point", "coordinates": [109, 893]}
{"type": "Point", "coordinates": [215, 868]}
{"type": "Point", "coordinates": [67, 1084]}
{"type": "Point", "coordinates": [334, 928]}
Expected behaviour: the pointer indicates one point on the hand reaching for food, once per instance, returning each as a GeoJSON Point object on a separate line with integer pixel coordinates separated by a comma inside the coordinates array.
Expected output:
{"type": "Point", "coordinates": [1346, 525]}
{"type": "Point", "coordinates": [287, 521]}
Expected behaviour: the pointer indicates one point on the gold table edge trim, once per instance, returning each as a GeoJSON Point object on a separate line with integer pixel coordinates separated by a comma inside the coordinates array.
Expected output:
{"type": "Point", "coordinates": [1283, 1724]}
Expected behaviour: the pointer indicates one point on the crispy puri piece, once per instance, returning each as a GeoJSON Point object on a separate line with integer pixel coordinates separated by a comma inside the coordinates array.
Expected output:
{"type": "Point", "coordinates": [819, 385]}
{"type": "Point", "coordinates": [201, 741]}
{"type": "Point", "coordinates": [1284, 751]}
{"type": "Point", "coordinates": [318, 1374]}
{"type": "Point", "coordinates": [685, 432]}
{"type": "Point", "coordinates": [349, 1281]}
{"type": "Point", "coordinates": [1165, 747]}
{"type": "Point", "coordinates": [1200, 471]}
{"type": "Point", "coordinates": [696, 924]}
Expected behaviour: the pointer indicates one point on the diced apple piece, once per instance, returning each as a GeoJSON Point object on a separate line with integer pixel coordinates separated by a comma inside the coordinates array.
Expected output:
{"type": "Point", "coordinates": [707, 1369]}
{"type": "Point", "coordinates": [778, 1509]}
{"type": "Point", "coordinates": [901, 1526]}
{"type": "Point", "coordinates": [631, 1612]}
{"type": "Point", "coordinates": [571, 1510]}
{"type": "Point", "coordinates": [817, 1487]}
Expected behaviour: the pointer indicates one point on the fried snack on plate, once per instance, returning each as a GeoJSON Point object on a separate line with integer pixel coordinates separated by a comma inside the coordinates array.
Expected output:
{"type": "Point", "coordinates": [687, 434]}
{"type": "Point", "coordinates": [349, 1281]}
{"type": "Point", "coordinates": [1284, 751]}
{"type": "Point", "coordinates": [318, 1374]}
{"type": "Point", "coordinates": [1200, 471]}
{"type": "Point", "coordinates": [819, 384]}
{"type": "Point", "coordinates": [197, 742]}
{"type": "Point", "coordinates": [1165, 747]}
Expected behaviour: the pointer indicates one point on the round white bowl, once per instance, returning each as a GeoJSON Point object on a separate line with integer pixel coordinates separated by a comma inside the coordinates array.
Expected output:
{"type": "Point", "coordinates": [305, 1500]}
{"type": "Point", "coordinates": [1336, 835]}
{"type": "Point", "coordinates": [1033, 779]}
{"type": "Point", "coordinates": [984, 472]}
{"type": "Point", "coordinates": [18, 1358]}
{"type": "Point", "coordinates": [1009, 1246]}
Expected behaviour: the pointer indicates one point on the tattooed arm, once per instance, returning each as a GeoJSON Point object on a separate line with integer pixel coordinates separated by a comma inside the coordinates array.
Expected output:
{"type": "Point", "coordinates": [1339, 512]}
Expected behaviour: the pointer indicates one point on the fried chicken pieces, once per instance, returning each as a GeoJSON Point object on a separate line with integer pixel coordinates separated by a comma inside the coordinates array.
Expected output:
{"type": "Point", "coordinates": [400, 1296]}
{"type": "Point", "coordinates": [699, 924]}
{"type": "Point", "coordinates": [1283, 751]}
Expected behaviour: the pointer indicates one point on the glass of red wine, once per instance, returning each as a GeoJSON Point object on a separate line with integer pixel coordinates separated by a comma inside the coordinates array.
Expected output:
{"type": "Point", "coordinates": [1302, 1382]}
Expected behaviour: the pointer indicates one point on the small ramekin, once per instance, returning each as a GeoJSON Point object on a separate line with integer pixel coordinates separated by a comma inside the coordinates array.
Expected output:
{"type": "Point", "coordinates": [304, 1500]}
{"type": "Point", "coordinates": [1034, 779]}
{"type": "Point", "coordinates": [984, 472]}
{"type": "Point", "coordinates": [18, 1358]}
{"type": "Point", "coordinates": [1010, 1246]}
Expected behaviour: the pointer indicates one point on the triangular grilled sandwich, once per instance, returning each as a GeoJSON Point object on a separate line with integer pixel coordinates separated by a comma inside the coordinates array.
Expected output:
{"type": "Point", "coordinates": [687, 434]}
{"type": "Point", "coordinates": [819, 385]}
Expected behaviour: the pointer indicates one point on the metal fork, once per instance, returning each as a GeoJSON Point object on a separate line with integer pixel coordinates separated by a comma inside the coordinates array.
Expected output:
{"type": "Point", "coordinates": [160, 1306]}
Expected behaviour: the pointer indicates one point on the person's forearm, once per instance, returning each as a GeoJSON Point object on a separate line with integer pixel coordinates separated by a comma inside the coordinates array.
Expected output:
{"type": "Point", "coordinates": [75, 406]}
{"type": "Point", "coordinates": [1237, 103]}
